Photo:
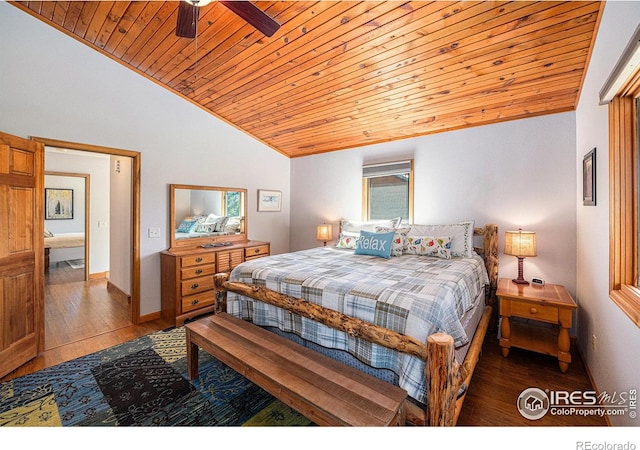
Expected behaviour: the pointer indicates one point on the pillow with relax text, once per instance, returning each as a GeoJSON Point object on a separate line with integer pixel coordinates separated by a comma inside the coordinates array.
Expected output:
{"type": "Point", "coordinates": [375, 244]}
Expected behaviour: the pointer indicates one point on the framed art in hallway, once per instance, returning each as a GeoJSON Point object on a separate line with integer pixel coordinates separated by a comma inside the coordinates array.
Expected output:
{"type": "Point", "coordinates": [269, 200]}
{"type": "Point", "coordinates": [589, 179]}
{"type": "Point", "coordinates": [58, 204]}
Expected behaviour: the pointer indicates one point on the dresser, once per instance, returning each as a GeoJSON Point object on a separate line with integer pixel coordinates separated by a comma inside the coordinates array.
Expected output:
{"type": "Point", "coordinates": [187, 288]}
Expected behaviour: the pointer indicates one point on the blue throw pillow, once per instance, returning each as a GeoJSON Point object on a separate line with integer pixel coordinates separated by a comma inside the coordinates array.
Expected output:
{"type": "Point", "coordinates": [375, 244]}
{"type": "Point", "coordinates": [187, 226]}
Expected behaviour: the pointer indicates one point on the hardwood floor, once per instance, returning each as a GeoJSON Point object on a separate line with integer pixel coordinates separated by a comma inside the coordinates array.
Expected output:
{"type": "Point", "coordinates": [82, 317]}
{"type": "Point", "coordinates": [498, 381]}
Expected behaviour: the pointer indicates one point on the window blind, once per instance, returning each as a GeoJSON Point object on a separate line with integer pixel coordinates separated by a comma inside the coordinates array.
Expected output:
{"type": "Point", "coordinates": [380, 170]}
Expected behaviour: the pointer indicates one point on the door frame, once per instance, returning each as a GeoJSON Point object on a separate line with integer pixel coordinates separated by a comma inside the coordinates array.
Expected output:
{"type": "Point", "coordinates": [135, 208]}
{"type": "Point", "coordinates": [87, 206]}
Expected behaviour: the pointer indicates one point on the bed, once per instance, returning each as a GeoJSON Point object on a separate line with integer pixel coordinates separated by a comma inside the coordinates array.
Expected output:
{"type": "Point", "coordinates": [378, 313]}
{"type": "Point", "coordinates": [61, 241]}
{"type": "Point", "coordinates": [208, 226]}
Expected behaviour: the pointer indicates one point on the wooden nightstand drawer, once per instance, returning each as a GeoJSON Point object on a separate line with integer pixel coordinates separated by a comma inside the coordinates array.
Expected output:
{"type": "Point", "coordinates": [253, 252]}
{"type": "Point", "coordinates": [197, 285]}
{"type": "Point", "coordinates": [534, 311]}
{"type": "Point", "coordinates": [198, 259]}
{"type": "Point", "coordinates": [197, 301]}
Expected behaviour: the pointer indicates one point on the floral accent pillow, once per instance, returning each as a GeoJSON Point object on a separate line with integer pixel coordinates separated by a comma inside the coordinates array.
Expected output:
{"type": "Point", "coordinates": [439, 246]}
{"type": "Point", "coordinates": [347, 240]}
{"type": "Point", "coordinates": [399, 244]}
{"type": "Point", "coordinates": [461, 236]}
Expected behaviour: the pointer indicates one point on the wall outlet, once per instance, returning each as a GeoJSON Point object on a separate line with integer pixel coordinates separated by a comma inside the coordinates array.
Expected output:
{"type": "Point", "coordinates": [594, 342]}
{"type": "Point", "coordinates": [154, 232]}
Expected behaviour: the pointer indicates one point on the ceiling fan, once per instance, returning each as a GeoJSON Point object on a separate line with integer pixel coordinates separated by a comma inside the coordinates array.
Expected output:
{"type": "Point", "coordinates": [188, 14]}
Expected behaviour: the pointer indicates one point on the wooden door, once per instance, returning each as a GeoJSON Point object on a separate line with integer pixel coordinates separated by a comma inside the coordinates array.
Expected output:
{"type": "Point", "coordinates": [21, 251]}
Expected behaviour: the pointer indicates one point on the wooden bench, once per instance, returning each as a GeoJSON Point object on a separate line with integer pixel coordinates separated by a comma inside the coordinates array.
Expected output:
{"type": "Point", "coordinates": [325, 391]}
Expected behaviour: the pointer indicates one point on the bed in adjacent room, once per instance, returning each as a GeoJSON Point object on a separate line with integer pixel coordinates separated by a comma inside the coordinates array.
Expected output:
{"type": "Point", "coordinates": [62, 241]}
{"type": "Point", "coordinates": [424, 280]}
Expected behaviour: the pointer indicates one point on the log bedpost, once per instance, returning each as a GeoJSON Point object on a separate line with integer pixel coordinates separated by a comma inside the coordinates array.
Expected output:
{"type": "Point", "coordinates": [490, 244]}
{"type": "Point", "coordinates": [443, 380]}
{"type": "Point", "coordinates": [219, 279]}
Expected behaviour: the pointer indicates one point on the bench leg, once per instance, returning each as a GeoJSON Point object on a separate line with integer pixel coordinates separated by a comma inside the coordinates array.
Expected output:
{"type": "Point", "coordinates": [192, 358]}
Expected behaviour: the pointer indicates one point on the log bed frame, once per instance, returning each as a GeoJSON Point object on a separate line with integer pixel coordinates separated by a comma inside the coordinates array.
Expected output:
{"type": "Point", "coordinates": [444, 376]}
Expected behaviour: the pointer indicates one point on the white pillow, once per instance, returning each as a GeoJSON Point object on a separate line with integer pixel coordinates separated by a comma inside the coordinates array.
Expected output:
{"type": "Point", "coordinates": [355, 226]}
{"type": "Point", "coordinates": [212, 218]}
{"type": "Point", "coordinates": [461, 236]}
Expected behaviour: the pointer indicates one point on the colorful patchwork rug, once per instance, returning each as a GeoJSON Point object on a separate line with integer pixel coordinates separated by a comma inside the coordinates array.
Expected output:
{"type": "Point", "coordinates": [141, 383]}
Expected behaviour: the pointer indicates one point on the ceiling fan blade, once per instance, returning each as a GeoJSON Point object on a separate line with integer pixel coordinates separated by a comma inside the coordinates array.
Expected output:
{"type": "Point", "coordinates": [187, 20]}
{"type": "Point", "coordinates": [253, 15]}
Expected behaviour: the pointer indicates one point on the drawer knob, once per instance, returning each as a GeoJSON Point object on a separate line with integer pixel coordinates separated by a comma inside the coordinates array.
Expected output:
{"type": "Point", "coordinates": [198, 272]}
{"type": "Point", "coordinates": [194, 286]}
{"type": "Point", "coordinates": [198, 259]}
{"type": "Point", "coordinates": [533, 310]}
{"type": "Point", "coordinates": [257, 250]}
{"type": "Point", "coordinates": [195, 302]}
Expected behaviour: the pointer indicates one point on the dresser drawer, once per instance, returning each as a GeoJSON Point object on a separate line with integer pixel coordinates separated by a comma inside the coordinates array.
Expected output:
{"type": "Point", "coordinates": [534, 311]}
{"type": "Point", "coordinates": [198, 259]}
{"type": "Point", "coordinates": [197, 271]}
{"type": "Point", "coordinates": [254, 252]}
{"type": "Point", "coordinates": [196, 285]}
{"type": "Point", "coordinates": [197, 301]}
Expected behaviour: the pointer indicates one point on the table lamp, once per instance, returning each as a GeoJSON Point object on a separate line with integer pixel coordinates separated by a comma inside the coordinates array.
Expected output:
{"type": "Point", "coordinates": [520, 244]}
{"type": "Point", "coordinates": [324, 233]}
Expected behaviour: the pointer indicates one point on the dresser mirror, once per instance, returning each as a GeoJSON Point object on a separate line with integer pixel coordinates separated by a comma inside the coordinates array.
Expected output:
{"type": "Point", "coordinates": [206, 216]}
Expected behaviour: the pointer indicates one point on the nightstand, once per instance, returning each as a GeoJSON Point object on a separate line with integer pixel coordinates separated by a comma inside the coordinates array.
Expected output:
{"type": "Point", "coordinates": [548, 304]}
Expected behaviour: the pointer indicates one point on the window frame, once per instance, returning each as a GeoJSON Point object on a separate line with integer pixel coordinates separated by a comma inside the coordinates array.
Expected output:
{"type": "Point", "coordinates": [623, 199]}
{"type": "Point", "coordinates": [365, 189]}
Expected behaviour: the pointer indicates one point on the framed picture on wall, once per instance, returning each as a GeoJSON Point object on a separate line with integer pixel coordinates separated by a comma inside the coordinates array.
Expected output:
{"type": "Point", "coordinates": [269, 200]}
{"type": "Point", "coordinates": [58, 204]}
{"type": "Point", "coordinates": [589, 179]}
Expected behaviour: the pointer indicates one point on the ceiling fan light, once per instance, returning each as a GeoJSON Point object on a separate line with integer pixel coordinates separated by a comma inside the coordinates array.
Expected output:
{"type": "Point", "coordinates": [199, 3]}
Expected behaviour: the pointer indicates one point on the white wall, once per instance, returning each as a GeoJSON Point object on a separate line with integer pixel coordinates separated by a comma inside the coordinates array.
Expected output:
{"type": "Point", "coordinates": [120, 188]}
{"type": "Point", "coordinates": [614, 364]}
{"type": "Point", "coordinates": [516, 174]}
{"type": "Point", "coordinates": [55, 87]}
{"type": "Point", "coordinates": [97, 167]}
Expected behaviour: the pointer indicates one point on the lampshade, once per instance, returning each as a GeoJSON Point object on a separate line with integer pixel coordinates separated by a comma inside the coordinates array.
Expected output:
{"type": "Point", "coordinates": [520, 243]}
{"type": "Point", "coordinates": [324, 233]}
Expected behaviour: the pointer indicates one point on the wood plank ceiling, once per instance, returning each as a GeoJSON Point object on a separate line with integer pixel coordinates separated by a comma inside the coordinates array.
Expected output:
{"type": "Point", "coordinates": [341, 74]}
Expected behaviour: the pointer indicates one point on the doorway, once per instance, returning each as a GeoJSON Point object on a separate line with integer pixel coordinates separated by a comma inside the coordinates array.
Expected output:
{"type": "Point", "coordinates": [110, 296]}
{"type": "Point", "coordinates": [67, 236]}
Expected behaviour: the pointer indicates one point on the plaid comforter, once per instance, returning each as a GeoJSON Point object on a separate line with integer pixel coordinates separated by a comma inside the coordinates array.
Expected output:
{"type": "Point", "coordinates": [413, 295]}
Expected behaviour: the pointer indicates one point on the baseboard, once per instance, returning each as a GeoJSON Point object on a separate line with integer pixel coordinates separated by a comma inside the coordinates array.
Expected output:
{"type": "Point", "coordinates": [113, 288]}
{"type": "Point", "coordinates": [574, 340]}
{"type": "Point", "coordinates": [149, 317]}
{"type": "Point", "coordinates": [98, 275]}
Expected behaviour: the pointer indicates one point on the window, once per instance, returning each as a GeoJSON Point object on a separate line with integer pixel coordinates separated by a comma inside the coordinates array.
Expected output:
{"type": "Point", "coordinates": [232, 203]}
{"type": "Point", "coordinates": [387, 191]}
{"type": "Point", "coordinates": [624, 110]}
